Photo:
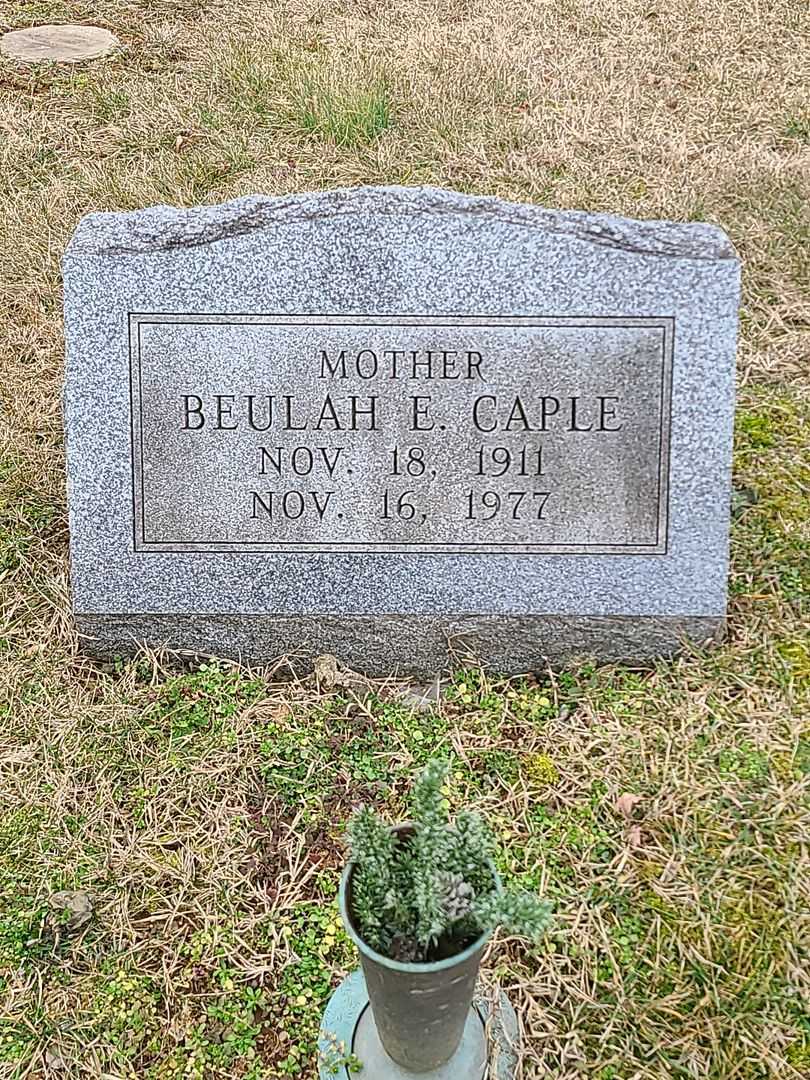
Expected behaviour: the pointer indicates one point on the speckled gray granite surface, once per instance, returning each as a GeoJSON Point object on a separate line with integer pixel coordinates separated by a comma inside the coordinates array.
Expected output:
{"type": "Point", "coordinates": [379, 421]}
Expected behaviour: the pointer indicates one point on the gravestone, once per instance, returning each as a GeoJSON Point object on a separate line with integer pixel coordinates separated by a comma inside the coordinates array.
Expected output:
{"type": "Point", "coordinates": [398, 425]}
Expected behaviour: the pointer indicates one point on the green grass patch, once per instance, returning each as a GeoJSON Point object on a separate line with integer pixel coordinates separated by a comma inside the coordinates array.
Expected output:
{"type": "Point", "coordinates": [771, 537]}
{"type": "Point", "coordinates": [798, 127]}
{"type": "Point", "coordinates": [345, 114]}
{"type": "Point", "coordinates": [23, 523]}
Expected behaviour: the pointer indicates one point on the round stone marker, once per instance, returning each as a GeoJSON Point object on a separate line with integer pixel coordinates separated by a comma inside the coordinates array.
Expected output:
{"type": "Point", "coordinates": [67, 43]}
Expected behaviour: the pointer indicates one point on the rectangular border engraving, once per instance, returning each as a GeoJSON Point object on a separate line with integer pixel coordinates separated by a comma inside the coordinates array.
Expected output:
{"type": "Point", "coordinates": [665, 323]}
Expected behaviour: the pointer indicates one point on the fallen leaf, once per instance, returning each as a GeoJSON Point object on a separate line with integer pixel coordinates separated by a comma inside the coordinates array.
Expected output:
{"type": "Point", "coordinates": [70, 911]}
{"type": "Point", "coordinates": [329, 674]}
{"type": "Point", "coordinates": [626, 803]}
{"type": "Point", "coordinates": [423, 699]}
{"type": "Point", "coordinates": [325, 670]}
{"type": "Point", "coordinates": [53, 1059]}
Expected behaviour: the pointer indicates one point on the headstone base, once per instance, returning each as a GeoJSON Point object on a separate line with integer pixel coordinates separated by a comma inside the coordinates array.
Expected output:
{"type": "Point", "coordinates": [418, 645]}
{"type": "Point", "coordinates": [490, 1039]}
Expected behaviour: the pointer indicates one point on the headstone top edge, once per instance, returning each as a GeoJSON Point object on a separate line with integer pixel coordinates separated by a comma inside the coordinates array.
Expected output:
{"type": "Point", "coordinates": [163, 228]}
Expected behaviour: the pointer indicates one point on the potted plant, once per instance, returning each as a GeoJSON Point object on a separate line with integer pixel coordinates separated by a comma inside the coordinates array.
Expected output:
{"type": "Point", "coordinates": [420, 901]}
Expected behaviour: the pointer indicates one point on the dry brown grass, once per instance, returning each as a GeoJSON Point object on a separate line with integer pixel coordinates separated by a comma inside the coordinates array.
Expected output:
{"type": "Point", "coordinates": [202, 814]}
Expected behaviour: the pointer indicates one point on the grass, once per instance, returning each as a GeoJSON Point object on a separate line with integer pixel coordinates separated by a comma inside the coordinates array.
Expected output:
{"type": "Point", "coordinates": [201, 811]}
{"type": "Point", "coordinates": [348, 119]}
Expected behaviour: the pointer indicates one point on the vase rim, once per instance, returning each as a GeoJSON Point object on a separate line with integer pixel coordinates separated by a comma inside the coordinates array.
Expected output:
{"type": "Point", "coordinates": [398, 965]}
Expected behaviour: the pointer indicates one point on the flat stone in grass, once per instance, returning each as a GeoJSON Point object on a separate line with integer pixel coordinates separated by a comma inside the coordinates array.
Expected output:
{"type": "Point", "coordinates": [66, 43]}
{"type": "Point", "coordinates": [400, 425]}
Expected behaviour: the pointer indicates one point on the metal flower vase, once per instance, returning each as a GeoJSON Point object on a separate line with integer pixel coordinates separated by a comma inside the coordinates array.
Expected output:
{"type": "Point", "coordinates": [420, 1010]}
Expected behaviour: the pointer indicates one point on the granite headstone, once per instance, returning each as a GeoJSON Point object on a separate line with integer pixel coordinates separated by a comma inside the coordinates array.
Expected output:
{"type": "Point", "coordinates": [398, 425]}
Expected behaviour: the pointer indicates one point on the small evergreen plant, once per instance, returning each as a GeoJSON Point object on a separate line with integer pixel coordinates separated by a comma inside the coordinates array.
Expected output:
{"type": "Point", "coordinates": [427, 894]}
